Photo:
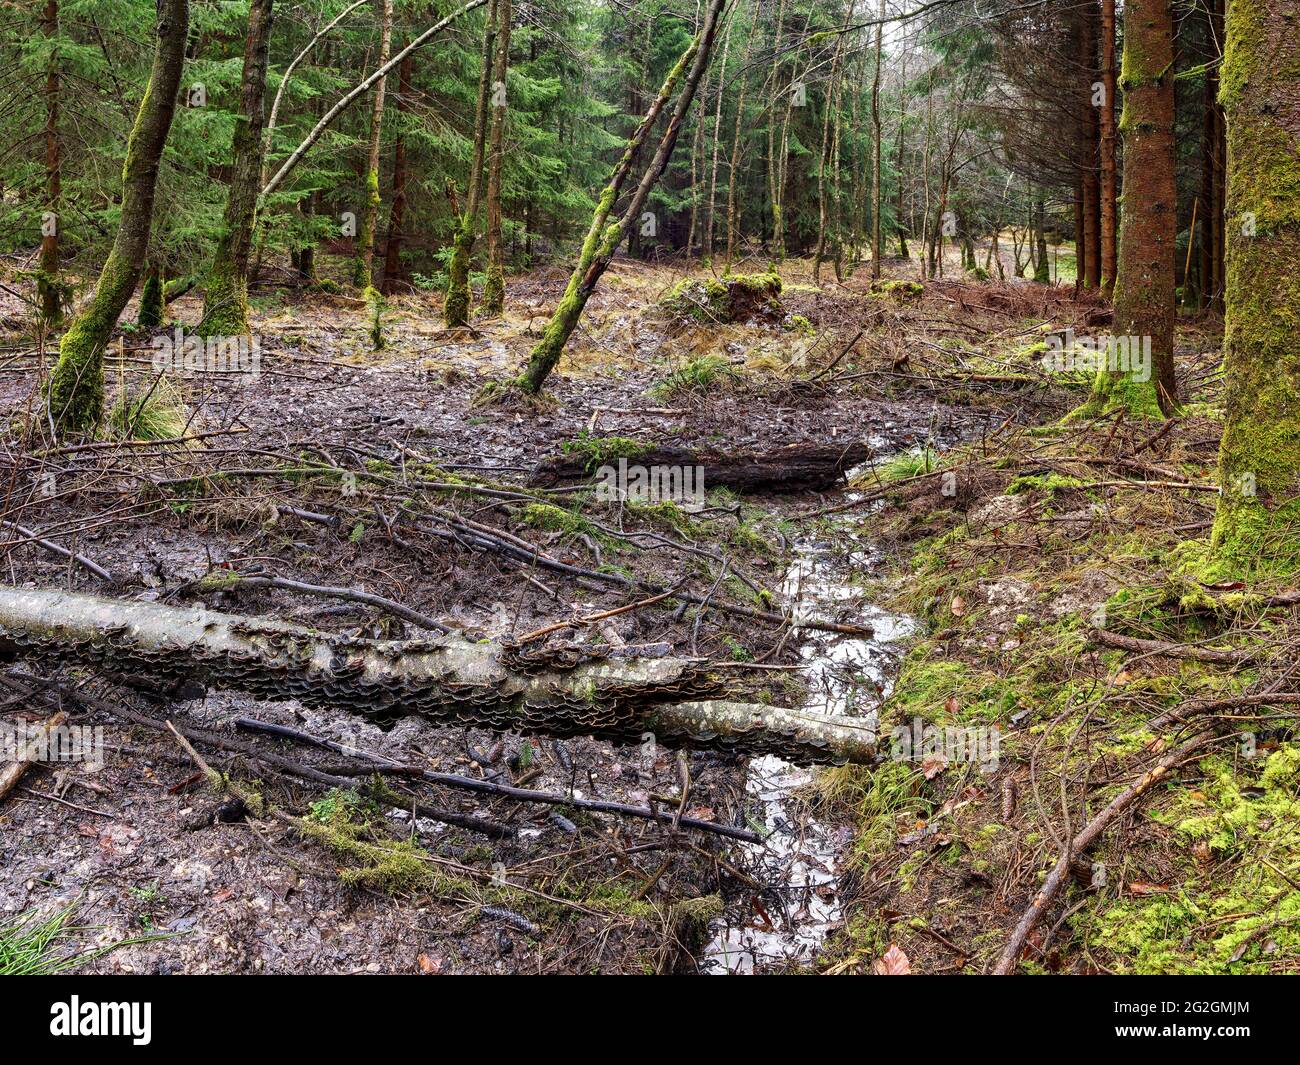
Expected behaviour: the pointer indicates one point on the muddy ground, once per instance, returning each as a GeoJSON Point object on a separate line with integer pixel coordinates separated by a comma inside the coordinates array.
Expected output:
{"type": "Point", "coordinates": [311, 471]}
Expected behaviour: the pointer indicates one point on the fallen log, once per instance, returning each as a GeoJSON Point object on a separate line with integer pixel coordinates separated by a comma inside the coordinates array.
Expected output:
{"type": "Point", "coordinates": [12, 772]}
{"type": "Point", "coordinates": [797, 468]}
{"type": "Point", "coordinates": [448, 679]}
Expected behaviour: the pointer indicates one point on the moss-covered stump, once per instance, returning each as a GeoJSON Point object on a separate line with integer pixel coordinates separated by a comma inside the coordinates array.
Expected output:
{"type": "Point", "coordinates": [898, 291]}
{"type": "Point", "coordinates": [731, 298]}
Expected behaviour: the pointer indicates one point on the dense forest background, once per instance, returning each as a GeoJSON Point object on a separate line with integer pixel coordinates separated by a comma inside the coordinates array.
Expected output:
{"type": "Point", "coordinates": [991, 122]}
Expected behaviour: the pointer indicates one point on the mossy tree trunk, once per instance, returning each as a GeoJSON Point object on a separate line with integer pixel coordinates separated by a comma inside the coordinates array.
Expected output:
{"type": "Point", "coordinates": [1144, 284]}
{"type": "Point", "coordinates": [225, 295]}
{"type": "Point", "coordinates": [150, 315]}
{"type": "Point", "coordinates": [370, 210]}
{"type": "Point", "coordinates": [49, 289]}
{"type": "Point", "coordinates": [456, 306]}
{"type": "Point", "coordinates": [604, 237]}
{"type": "Point", "coordinates": [494, 288]}
{"type": "Point", "coordinates": [76, 391]}
{"type": "Point", "coordinates": [1259, 460]}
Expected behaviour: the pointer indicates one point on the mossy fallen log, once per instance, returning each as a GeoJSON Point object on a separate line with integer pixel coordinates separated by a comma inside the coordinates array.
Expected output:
{"type": "Point", "coordinates": [448, 680]}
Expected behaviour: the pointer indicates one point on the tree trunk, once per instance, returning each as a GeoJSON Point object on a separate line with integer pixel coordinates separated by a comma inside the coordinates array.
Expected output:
{"type": "Point", "coordinates": [1108, 191]}
{"type": "Point", "coordinates": [1144, 285]}
{"type": "Point", "coordinates": [49, 289]}
{"type": "Point", "coordinates": [602, 241]}
{"type": "Point", "coordinates": [1259, 460]}
{"type": "Point", "coordinates": [733, 211]}
{"type": "Point", "coordinates": [1089, 268]}
{"type": "Point", "coordinates": [1212, 174]}
{"type": "Point", "coordinates": [717, 142]}
{"type": "Point", "coordinates": [364, 265]}
{"type": "Point", "coordinates": [456, 306]}
{"type": "Point", "coordinates": [449, 680]}
{"type": "Point", "coordinates": [225, 297]}
{"type": "Point", "coordinates": [494, 287]}
{"type": "Point", "coordinates": [76, 391]}
{"type": "Point", "coordinates": [397, 212]}
{"type": "Point", "coordinates": [877, 238]}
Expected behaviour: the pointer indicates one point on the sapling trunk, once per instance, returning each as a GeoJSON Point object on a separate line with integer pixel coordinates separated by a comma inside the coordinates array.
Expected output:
{"type": "Point", "coordinates": [604, 237]}
{"type": "Point", "coordinates": [370, 210]}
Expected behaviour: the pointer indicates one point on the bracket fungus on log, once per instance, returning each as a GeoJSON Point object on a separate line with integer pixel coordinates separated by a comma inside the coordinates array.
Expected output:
{"type": "Point", "coordinates": [448, 680]}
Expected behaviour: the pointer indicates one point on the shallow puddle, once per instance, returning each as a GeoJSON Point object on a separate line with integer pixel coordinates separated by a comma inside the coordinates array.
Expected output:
{"type": "Point", "coordinates": [799, 862]}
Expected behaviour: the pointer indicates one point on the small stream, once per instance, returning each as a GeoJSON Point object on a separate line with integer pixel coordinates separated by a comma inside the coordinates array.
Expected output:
{"type": "Point", "coordinates": [799, 862]}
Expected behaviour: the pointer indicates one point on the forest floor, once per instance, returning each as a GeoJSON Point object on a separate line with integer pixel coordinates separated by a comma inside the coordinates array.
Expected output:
{"type": "Point", "coordinates": [344, 466]}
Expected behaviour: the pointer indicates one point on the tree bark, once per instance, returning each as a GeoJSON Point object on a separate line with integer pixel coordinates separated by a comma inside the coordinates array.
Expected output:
{"type": "Point", "coordinates": [877, 238]}
{"type": "Point", "coordinates": [397, 212]}
{"type": "Point", "coordinates": [494, 287]}
{"type": "Point", "coordinates": [225, 297]}
{"type": "Point", "coordinates": [1109, 169]}
{"type": "Point", "coordinates": [364, 265]}
{"type": "Point", "coordinates": [1258, 517]}
{"type": "Point", "coordinates": [1144, 286]}
{"type": "Point", "coordinates": [449, 680]}
{"type": "Point", "coordinates": [602, 240]}
{"type": "Point", "coordinates": [76, 391]}
{"type": "Point", "coordinates": [456, 305]}
{"type": "Point", "coordinates": [50, 290]}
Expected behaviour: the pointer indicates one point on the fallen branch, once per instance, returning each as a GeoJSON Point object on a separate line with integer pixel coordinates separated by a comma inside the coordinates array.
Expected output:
{"type": "Point", "coordinates": [60, 550]}
{"type": "Point", "coordinates": [223, 581]}
{"type": "Point", "coordinates": [1174, 650]}
{"type": "Point", "coordinates": [448, 680]}
{"type": "Point", "coordinates": [488, 787]}
{"type": "Point", "coordinates": [13, 772]}
{"type": "Point", "coordinates": [1010, 956]}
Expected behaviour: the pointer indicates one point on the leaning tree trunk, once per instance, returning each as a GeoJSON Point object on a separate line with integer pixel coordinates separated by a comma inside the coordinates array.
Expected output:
{"type": "Point", "coordinates": [494, 287]}
{"type": "Point", "coordinates": [370, 211]}
{"type": "Point", "coordinates": [225, 297]}
{"type": "Point", "coordinates": [449, 680]}
{"type": "Point", "coordinates": [456, 306]}
{"type": "Point", "coordinates": [603, 240]}
{"type": "Point", "coordinates": [1144, 284]}
{"type": "Point", "coordinates": [76, 391]}
{"type": "Point", "coordinates": [49, 288]}
{"type": "Point", "coordinates": [1259, 459]}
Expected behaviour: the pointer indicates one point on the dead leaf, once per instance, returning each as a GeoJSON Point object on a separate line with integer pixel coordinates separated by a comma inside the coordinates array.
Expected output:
{"type": "Point", "coordinates": [892, 963]}
{"type": "Point", "coordinates": [428, 966]}
{"type": "Point", "coordinates": [958, 606]}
